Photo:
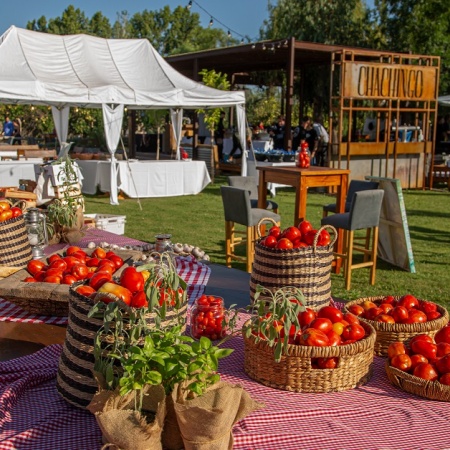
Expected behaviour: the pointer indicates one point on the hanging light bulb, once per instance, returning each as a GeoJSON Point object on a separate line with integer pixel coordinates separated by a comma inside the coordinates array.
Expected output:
{"type": "Point", "coordinates": [253, 45]}
{"type": "Point", "coordinates": [211, 22]}
{"type": "Point", "coordinates": [229, 33]}
{"type": "Point", "coordinates": [279, 45]}
{"type": "Point", "coordinates": [189, 5]}
{"type": "Point", "coordinates": [242, 40]}
{"type": "Point", "coordinates": [264, 46]}
{"type": "Point", "coordinates": [272, 47]}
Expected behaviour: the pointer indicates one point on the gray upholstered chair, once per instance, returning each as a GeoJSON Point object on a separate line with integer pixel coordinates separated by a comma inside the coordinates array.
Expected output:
{"type": "Point", "coordinates": [238, 210]}
{"type": "Point", "coordinates": [354, 186]}
{"type": "Point", "coordinates": [364, 214]}
{"type": "Point", "coordinates": [251, 185]}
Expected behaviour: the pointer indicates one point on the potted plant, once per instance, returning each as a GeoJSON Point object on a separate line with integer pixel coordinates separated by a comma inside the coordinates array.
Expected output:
{"type": "Point", "coordinates": [133, 358]}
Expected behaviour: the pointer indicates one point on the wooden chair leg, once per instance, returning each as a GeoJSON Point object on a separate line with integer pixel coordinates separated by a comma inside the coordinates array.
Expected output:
{"type": "Point", "coordinates": [250, 243]}
{"type": "Point", "coordinates": [367, 244]}
{"type": "Point", "coordinates": [374, 254]}
{"type": "Point", "coordinates": [349, 259]}
{"type": "Point", "coordinates": [229, 238]}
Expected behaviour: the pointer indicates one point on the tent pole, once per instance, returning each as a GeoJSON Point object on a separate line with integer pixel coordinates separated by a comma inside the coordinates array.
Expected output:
{"type": "Point", "coordinates": [131, 174]}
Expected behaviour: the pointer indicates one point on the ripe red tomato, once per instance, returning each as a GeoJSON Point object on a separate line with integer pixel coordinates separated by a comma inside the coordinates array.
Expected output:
{"type": "Point", "coordinates": [6, 215]}
{"type": "Point", "coordinates": [87, 291]}
{"type": "Point", "coordinates": [93, 262]}
{"type": "Point", "coordinates": [70, 261]}
{"type": "Point", "coordinates": [52, 279]}
{"type": "Point", "coordinates": [291, 233]}
{"type": "Point", "coordinates": [334, 338]}
{"type": "Point", "coordinates": [416, 316]}
{"type": "Point", "coordinates": [371, 313]}
{"type": "Point", "coordinates": [384, 318]}
{"type": "Point", "coordinates": [386, 307]}
{"type": "Point", "coordinates": [425, 371]}
{"type": "Point", "coordinates": [357, 310]}
{"type": "Point", "coordinates": [117, 260]}
{"type": "Point", "coordinates": [445, 379]}
{"type": "Point", "coordinates": [79, 271]}
{"type": "Point", "coordinates": [72, 249]}
{"type": "Point", "coordinates": [443, 364]}
{"type": "Point", "coordinates": [427, 349]}
{"type": "Point", "coordinates": [353, 332]}
{"type": "Point", "coordinates": [322, 324]}
{"type": "Point", "coordinates": [4, 205]}
{"type": "Point", "coordinates": [327, 363]}
{"type": "Point", "coordinates": [284, 244]}
{"type": "Point", "coordinates": [99, 253]}
{"type": "Point", "coordinates": [427, 307]}
{"type": "Point", "coordinates": [68, 279]}
{"type": "Point", "coordinates": [40, 275]}
{"type": "Point", "coordinates": [396, 348]}
{"type": "Point", "coordinates": [132, 279]}
{"type": "Point", "coordinates": [80, 255]}
{"type": "Point", "coordinates": [34, 266]}
{"type": "Point", "coordinates": [98, 279]}
{"type": "Point", "coordinates": [139, 300]}
{"type": "Point", "coordinates": [350, 318]}
{"type": "Point", "coordinates": [306, 317]}
{"type": "Point", "coordinates": [408, 301]}
{"type": "Point", "coordinates": [309, 237]}
{"type": "Point", "coordinates": [402, 362]}
{"type": "Point", "coordinates": [331, 313]}
{"type": "Point", "coordinates": [443, 335]}
{"type": "Point", "coordinates": [433, 315]}
{"type": "Point", "coordinates": [54, 257]}
{"type": "Point", "coordinates": [442, 349]}
{"type": "Point", "coordinates": [270, 241]}
{"type": "Point", "coordinates": [30, 280]}
{"type": "Point", "coordinates": [54, 273]}
{"type": "Point", "coordinates": [324, 239]}
{"type": "Point", "coordinates": [400, 314]}
{"type": "Point", "coordinates": [312, 337]}
{"type": "Point", "coordinates": [58, 264]}
{"type": "Point", "coordinates": [421, 337]}
{"type": "Point", "coordinates": [16, 212]}
{"type": "Point", "coordinates": [275, 232]}
{"type": "Point", "coordinates": [416, 360]}
{"type": "Point", "coordinates": [389, 299]}
{"type": "Point", "coordinates": [304, 227]}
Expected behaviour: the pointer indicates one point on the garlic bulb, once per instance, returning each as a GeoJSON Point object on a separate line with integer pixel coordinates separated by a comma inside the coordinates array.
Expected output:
{"type": "Point", "coordinates": [91, 245]}
{"type": "Point", "coordinates": [178, 248]}
{"type": "Point", "coordinates": [187, 248]}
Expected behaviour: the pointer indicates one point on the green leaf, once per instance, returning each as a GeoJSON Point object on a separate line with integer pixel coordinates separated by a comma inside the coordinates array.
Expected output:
{"type": "Point", "coordinates": [194, 367]}
{"type": "Point", "coordinates": [223, 352]}
{"type": "Point", "coordinates": [153, 377]}
{"type": "Point", "coordinates": [278, 351]}
{"type": "Point", "coordinates": [196, 388]}
{"type": "Point", "coordinates": [205, 343]}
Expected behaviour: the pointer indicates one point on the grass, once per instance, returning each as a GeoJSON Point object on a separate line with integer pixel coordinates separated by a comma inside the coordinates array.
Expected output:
{"type": "Point", "coordinates": [198, 220]}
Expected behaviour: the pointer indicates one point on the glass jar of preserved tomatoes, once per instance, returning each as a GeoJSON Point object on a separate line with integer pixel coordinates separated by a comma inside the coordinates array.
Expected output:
{"type": "Point", "coordinates": [207, 318]}
{"type": "Point", "coordinates": [303, 157]}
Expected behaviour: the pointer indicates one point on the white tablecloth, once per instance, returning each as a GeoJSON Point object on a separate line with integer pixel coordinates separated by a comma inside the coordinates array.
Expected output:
{"type": "Point", "coordinates": [152, 178]}
{"type": "Point", "coordinates": [13, 171]}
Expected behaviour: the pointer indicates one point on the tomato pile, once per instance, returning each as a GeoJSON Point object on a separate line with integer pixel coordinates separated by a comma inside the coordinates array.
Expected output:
{"type": "Point", "coordinates": [327, 327]}
{"type": "Point", "coordinates": [74, 265]}
{"type": "Point", "coordinates": [424, 357]}
{"type": "Point", "coordinates": [7, 212]}
{"type": "Point", "coordinates": [207, 318]}
{"type": "Point", "coordinates": [295, 237]}
{"type": "Point", "coordinates": [407, 309]}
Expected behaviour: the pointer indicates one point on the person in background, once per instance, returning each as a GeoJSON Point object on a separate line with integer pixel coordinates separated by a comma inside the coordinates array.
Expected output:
{"type": "Point", "coordinates": [220, 134]}
{"type": "Point", "coordinates": [8, 129]}
{"type": "Point", "coordinates": [17, 131]}
{"type": "Point", "coordinates": [313, 142]}
{"type": "Point", "coordinates": [324, 138]}
{"type": "Point", "coordinates": [277, 132]}
{"type": "Point", "coordinates": [300, 133]}
{"type": "Point", "coordinates": [237, 143]}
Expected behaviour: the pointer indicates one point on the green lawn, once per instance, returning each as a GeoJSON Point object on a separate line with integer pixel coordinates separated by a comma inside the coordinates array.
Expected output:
{"type": "Point", "coordinates": [198, 220]}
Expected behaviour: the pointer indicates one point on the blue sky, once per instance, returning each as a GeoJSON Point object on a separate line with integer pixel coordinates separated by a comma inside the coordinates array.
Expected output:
{"type": "Point", "coordinates": [245, 17]}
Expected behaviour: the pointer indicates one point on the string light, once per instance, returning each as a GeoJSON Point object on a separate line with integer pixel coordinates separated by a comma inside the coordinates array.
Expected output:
{"type": "Point", "coordinates": [215, 19]}
{"type": "Point", "coordinates": [264, 46]}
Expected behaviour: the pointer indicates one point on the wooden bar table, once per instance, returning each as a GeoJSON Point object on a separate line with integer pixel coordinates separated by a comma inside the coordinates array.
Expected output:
{"type": "Point", "coordinates": [302, 179]}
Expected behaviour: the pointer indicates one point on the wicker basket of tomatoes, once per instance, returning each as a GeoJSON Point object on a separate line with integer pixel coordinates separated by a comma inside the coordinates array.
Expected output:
{"type": "Point", "coordinates": [423, 366]}
{"type": "Point", "coordinates": [160, 301]}
{"type": "Point", "coordinates": [317, 352]}
{"type": "Point", "coordinates": [398, 318]}
{"type": "Point", "coordinates": [297, 256]}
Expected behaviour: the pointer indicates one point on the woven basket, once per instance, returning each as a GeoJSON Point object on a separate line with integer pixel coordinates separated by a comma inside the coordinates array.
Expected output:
{"type": "Point", "coordinates": [75, 381]}
{"type": "Point", "coordinates": [432, 390]}
{"type": "Point", "coordinates": [306, 268]}
{"type": "Point", "coordinates": [393, 332]}
{"type": "Point", "coordinates": [295, 373]}
{"type": "Point", "coordinates": [15, 248]}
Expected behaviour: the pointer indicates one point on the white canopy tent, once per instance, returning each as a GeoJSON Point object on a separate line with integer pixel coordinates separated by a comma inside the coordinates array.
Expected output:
{"type": "Point", "coordinates": [91, 72]}
{"type": "Point", "coordinates": [444, 100]}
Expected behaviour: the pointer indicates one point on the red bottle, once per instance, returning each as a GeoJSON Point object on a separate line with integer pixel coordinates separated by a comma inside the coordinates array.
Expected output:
{"type": "Point", "coordinates": [303, 157]}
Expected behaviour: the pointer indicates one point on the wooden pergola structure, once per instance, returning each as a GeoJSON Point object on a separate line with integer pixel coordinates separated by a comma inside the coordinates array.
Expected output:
{"type": "Point", "coordinates": [396, 92]}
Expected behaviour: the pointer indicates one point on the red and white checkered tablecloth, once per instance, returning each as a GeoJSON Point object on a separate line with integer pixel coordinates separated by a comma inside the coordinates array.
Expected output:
{"type": "Point", "coordinates": [373, 416]}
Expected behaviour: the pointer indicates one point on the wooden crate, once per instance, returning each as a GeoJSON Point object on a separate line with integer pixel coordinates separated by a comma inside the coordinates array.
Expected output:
{"type": "Point", "coordinates": [16, 195]}
{"type": "Point", "coordinates": [74, 190]}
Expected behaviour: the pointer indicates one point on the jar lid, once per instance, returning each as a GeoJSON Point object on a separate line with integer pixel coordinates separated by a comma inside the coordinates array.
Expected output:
{"type": "Point", "coordinates": [163, 236]}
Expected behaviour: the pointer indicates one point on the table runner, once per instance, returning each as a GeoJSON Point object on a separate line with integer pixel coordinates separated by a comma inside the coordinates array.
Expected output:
{"type": "Point", "coordinates": [376, 415]}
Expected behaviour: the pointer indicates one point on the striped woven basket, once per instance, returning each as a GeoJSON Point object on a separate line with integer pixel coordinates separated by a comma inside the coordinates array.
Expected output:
{"type": "Point", "coordinates": [295, 373]}
{"type": "Point", "coordinates": [15, 248]}
{"type": "Point", "coordinates": [393, 332]}
{"type": "Point", "coordinates": [432, 390]}
{"type": "Point", "coordinates": [306, 268]}
{"type": "Point", "coordinates": [75, 381]}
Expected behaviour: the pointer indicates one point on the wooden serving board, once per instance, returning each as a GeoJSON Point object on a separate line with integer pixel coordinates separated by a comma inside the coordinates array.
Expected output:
{"type": "Point", "coordinates": [48, 299]}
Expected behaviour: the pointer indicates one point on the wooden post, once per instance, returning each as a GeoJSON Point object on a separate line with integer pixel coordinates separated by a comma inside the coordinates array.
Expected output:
{"type": "Point", "coordinates": [289, 94]}
{"type": "Point", "coordinates": [131, 133]}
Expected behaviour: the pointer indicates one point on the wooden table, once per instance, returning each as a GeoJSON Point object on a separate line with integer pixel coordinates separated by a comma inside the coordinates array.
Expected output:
{"type": "Point", "coordinates": [302, 179]}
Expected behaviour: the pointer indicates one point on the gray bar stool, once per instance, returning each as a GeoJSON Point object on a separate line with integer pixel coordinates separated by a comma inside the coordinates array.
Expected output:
{"type": "Point", "coordinates": [238, 210]}
{"type": "Point", "coordinates": [364, 213]}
